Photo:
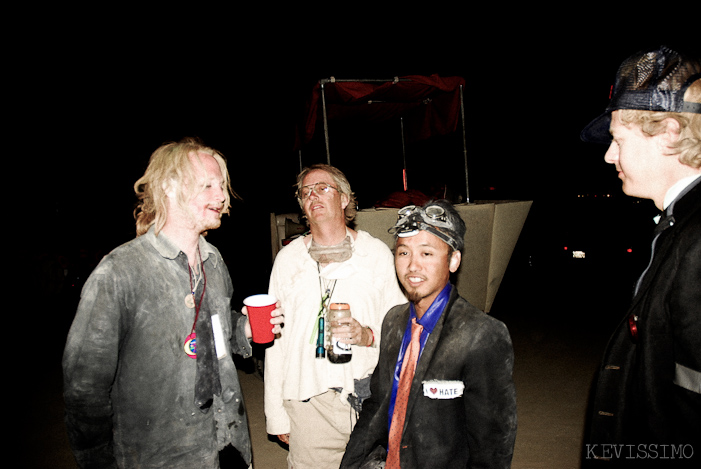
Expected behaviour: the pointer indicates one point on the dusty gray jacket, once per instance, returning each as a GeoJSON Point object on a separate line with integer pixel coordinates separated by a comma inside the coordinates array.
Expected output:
{"type": "Point", "coordinates": [128, 385]}
{"type": "Point", "coordinates": [475, 429]}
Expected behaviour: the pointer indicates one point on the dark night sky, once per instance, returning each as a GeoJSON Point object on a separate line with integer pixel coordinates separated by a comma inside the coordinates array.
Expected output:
{"type": "Point", "coordinates": [95, 102]}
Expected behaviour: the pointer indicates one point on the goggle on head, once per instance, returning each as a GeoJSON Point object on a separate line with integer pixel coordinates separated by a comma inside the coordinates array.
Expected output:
{"type": "Point", "coordinates": [432, 218]}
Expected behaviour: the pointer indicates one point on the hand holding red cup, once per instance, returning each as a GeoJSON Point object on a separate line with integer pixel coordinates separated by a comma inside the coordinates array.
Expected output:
{"type": "Point", "coordinates": [264, 316]}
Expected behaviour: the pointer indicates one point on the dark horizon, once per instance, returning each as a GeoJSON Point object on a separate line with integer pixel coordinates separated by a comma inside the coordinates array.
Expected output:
{"type": "Point", "coordinates": [98, 118]}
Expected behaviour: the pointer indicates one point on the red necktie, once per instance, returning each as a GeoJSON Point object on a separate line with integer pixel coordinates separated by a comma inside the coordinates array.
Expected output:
{"type": "Point", "coordinates": [406, 376]}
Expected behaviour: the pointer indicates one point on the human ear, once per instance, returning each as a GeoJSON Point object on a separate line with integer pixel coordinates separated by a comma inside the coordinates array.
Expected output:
{"type": "Point", "coordinates": [455, 259]}
{"type": "Point", "coordinates": [670, 135]}
{"type": "Point", "coordinates": [169, 188]}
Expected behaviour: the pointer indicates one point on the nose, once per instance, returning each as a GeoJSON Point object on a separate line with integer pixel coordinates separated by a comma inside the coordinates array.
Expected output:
{"type": "Point", "coordinates": [611, 155]}
{"type": "Point", "coordinates": [414, 264]}
{"type": "Point", "coordinates": [220, 193]}
{"type": "Point", "coordinates": [313, 192]}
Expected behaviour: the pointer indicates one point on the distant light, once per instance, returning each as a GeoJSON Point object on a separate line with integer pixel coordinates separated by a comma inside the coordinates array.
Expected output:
{"type": "Point", "coordinates": [578, 254]}
{"type": "Point", "coordinates": [629, 250]}
{"type": "Point", "coordinates": [565, 248]}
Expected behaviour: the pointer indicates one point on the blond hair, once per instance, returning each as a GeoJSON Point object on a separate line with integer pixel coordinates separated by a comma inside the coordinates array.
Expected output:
{"type": "Point", "coordinates": [688, 145]}
{"type": "Point", "coordinates": [169, 168]}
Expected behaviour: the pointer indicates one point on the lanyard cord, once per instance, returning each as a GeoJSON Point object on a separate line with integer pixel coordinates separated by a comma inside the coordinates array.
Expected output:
{"type": "Point", "coordinates": [325, 300]}
{"type": "Point", "coordinates": [204, 287]}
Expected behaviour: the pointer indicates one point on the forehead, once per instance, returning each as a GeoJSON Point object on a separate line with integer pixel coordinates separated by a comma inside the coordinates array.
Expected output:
{"type": "Point", "coordinates": [617, 125]}
{"type": "Point", "coordinates": [422, 239]}
{"type": "Point", "coordinates": [204, 164]}
{"type": "Point", "coordinates": [317, 175]}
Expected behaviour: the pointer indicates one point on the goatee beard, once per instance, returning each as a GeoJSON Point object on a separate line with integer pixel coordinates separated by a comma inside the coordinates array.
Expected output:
{"type": "Point", "coordinates": [414, 296]}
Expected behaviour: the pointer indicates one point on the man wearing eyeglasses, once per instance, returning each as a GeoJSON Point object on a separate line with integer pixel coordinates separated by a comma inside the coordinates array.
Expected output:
{"type": "Point", "coordinates": [311, 404]}
{"type": "Point", "coordinates": [442, 394]}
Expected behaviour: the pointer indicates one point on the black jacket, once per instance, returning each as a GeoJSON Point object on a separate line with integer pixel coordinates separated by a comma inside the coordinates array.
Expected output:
{"type": "Point", "coordinates": [647, 400]}
{"type": "Point", "coordinates": [477, 429]}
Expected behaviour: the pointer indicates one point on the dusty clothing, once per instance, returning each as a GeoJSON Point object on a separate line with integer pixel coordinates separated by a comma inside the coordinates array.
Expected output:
{"type": "Point", "coordinates": [462, 405]}
{"type": "Point", "coordinates": [320, 428]}
{"type": "Point", "coordinates": [367, 281]}
{"type": "Point", "coordinates": [129, 386]}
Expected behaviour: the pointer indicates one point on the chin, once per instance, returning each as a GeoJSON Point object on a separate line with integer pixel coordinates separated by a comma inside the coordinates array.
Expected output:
{"type": "Point", "coordinates": [414, 296]}
{"type": "Point", "coordinates": [210, 226]}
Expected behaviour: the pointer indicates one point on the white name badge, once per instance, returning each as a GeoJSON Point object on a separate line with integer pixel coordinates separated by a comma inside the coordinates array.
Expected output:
{"type": "Point", "coordinates": [443, 389]}
{"type": "Point", "coordinates": [219, 343]}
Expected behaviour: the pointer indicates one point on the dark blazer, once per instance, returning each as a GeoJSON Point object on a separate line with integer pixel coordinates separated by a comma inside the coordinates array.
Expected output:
{"type": "Point", "coordinates": [477, 429]}
{"type": "Point", "coordinates": [645, 393]}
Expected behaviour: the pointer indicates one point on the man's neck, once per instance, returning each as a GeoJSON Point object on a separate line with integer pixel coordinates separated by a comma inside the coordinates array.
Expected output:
{"type": "Point", "coordinates": [328, 235]}
{"type": "Point", "coordinates": [681, 172]}
{"type": "Point", "coordinates": [186, 240]}
{"type": "Point", "coordinates": [424, 304]}
{"type": "Point", "coordinates": [678, 187]}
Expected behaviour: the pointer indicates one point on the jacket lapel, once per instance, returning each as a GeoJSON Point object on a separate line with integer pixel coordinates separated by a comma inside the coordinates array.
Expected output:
{"type": "Point", "coordinates": [426, 357]}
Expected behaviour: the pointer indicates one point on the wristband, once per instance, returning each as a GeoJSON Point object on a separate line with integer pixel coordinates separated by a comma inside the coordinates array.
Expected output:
{"type": "Point", "coordinates": [372, 334]}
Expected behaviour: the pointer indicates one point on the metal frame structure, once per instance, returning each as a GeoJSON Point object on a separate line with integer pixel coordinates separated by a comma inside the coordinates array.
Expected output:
{"type": "Point", "coordinates": [322, 85]}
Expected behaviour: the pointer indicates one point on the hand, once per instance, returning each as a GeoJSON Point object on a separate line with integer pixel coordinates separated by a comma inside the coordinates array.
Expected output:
{"type": "Point", "coordinates": [350, 331]}
{"type": "Point", "coordinates": [284, 438]}
{"type": "Point", "coordinates": [277, 319]}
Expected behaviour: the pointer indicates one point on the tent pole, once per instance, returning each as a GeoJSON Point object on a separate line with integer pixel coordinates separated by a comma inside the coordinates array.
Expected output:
{"type": "Point", "coordinates": [404, 175]}
{"type": "Point", "coordinates": [326, 126]}
{"type": "Point", "coordinates": [464, 144]}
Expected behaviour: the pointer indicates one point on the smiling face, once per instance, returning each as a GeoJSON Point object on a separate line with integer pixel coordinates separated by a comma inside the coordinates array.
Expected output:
{"type": "Point", "coordinates": [325, 207]}
{"type": "Point", "coordinates": [424, 264]}
{"type": "Point", "coordinates": [208, 197]}
{"type": "Point", "coordinates": [204, 197]}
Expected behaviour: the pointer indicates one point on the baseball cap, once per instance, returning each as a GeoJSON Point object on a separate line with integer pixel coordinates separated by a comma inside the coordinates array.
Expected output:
{"type": "Point", "coordinates": [650, 80]}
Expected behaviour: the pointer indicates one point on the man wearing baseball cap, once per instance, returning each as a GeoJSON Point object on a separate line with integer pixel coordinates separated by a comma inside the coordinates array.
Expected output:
{"type": "Point", "coordinates": [646, 408]}
{"type": "Point", "coordinates": [442, 392]}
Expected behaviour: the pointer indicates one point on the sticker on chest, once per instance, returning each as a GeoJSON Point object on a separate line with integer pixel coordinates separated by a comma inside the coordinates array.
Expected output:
{"type": "Point", "coordinates": [443, 389]}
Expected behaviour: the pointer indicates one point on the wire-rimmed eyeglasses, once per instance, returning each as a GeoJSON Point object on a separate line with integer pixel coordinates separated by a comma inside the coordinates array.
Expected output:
{"type": "Point", "coordinates": [319, 188]}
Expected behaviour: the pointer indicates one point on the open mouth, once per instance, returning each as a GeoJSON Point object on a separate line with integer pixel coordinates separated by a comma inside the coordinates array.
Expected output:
{"type": "Point", "coordinates": [415, 280]}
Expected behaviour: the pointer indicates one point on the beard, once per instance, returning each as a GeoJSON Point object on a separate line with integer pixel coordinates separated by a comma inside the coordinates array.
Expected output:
{"type": "Point", "coordinates": [203, 226]}
{"type": "Point", "coordinates": [413, 295]}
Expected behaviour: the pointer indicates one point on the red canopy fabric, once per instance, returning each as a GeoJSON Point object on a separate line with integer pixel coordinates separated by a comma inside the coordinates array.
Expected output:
{"type": "Point", "coordinates": [430, 105]}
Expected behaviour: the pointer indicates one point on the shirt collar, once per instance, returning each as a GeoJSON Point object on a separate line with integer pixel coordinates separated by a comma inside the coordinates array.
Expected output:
{"type": "Point", "coordinates": [433, 313]}
{"type": "Point", "coordinates": [168, 250]}
{"type": "Point", "coordinates": [677, 188]}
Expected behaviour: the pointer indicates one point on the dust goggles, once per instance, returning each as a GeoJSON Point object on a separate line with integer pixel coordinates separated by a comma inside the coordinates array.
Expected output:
{"type": "Point", "coordinates": [432, 218]}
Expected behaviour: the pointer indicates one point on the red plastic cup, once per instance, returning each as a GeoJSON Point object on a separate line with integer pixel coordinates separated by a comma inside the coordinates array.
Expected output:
{"type": "Point", "coordinates": [259, 308]}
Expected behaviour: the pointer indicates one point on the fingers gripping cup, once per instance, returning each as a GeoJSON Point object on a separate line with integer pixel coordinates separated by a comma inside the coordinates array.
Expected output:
{"type": "Point", "coordinates": [259, 308]}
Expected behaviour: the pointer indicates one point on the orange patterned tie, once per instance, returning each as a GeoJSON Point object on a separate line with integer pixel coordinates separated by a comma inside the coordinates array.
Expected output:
{"type": "Point", "coordinates": [406, 376]}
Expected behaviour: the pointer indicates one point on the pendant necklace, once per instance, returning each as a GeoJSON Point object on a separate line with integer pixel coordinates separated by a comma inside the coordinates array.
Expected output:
{"type": "Point", "coordinates": [327, 288]}
{"type": "Point", "coordinates": [190, 345]}
{"type": "Point", "coordinates": [190, 297]}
